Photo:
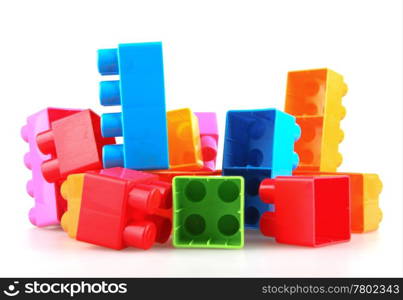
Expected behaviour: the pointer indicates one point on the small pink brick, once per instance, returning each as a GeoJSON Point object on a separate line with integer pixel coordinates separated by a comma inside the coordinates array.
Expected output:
{"type": "Point", "coordinates": [46, 195]}
{"type": "Point", "coordinates": [209, 138]}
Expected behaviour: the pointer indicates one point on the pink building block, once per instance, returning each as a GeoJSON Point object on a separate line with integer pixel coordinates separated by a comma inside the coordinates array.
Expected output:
{"type": "Point", "coordinates": [48, 201]}
{"type": "Point", "coordinates": [209, 138]}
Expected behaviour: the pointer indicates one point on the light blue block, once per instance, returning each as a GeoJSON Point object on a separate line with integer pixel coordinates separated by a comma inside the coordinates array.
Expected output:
{"type": "Point", "coordinates": [140, 92]}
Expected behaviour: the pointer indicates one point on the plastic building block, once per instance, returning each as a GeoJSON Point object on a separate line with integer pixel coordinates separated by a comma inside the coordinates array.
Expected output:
{"type": "Point", "coordinates": [314, 98]}
{"type": "Point", "coordinates": [309, 210]}
{"type": "Point", "coordinates": [140, 92]}
{"type": "Point", "coordinates": [47, 197]}
{"type": "Point", "coordinates": [184, 140]}
{"type": "Point", "coordinates": [364, 194]}
{"type": "Point", "coordinates": [254, 207]}
{"type": "Point", "coordinates": [169, 175]}
{"type": "Point", "coordinates": [260, 140]}
{"type": "Point", "coordinates": [208, 212]}
{"type": "Point", "coordinates": [74, 143]}
{"type": "Point", "coordinates": [209, 138]}
{"type": "Point", "coordinates": [117, 208]}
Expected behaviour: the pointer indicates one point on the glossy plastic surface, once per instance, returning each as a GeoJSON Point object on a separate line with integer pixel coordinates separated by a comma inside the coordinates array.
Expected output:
{"type": "Point", "coordinates": [184, 140]}
{"type": "Point", "coordinates": [74, 143]}
{"type": "Point", "coordinates": [366, 214]}
{"type": "Point", "coordinates": [309, 210]}
{"type": "Point", "coordinates": [121, 208]}
{"type": "Point", "coordinates": [209, 138]}
{"type": "Point", "coordinates": [260, 140]}
{"type": "Point", "coordinates": [208, 212]}
{"type": "Point", "coordinates": [314, 98]}
{"type": "Point", "coordinates": [48, 201]}
{"type": "Point", "coordinates": [141, 94]}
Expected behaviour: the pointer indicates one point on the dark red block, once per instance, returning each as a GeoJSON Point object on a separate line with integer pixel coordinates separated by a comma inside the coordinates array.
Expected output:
{"type": "Point", "coordinates": [308, 210]}
{"type": "Point", "coordinates": [122, 207]}
{"type": "Point", "coordinates": [75, 144]}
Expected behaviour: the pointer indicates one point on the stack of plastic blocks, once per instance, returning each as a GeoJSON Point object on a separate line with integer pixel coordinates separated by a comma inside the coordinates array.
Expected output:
{"type": "Point", "coordinates": [162, 178]}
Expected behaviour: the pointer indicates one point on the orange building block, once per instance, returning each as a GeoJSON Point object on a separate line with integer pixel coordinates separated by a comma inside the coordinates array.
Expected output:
{"type": "Point", "coordinates": [184, 140]}
{"type": "Point", "coordinates": [314, 98]}
{"type": "Point", "coordinates": [364, 194]}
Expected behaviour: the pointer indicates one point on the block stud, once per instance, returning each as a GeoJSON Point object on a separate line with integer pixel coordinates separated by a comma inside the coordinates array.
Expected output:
{"type": "Point", "coordinates": [209, 148]}
{"type": "Point", "coordinates": [109, 92]}
{"type": "Point", "coordinates": [50, 170]}
{"type": "Point", "coordinates": [141, 234]}
{"type": "Point", "coordinates": [111, 125]}
{"type": "Point", "coordinates": [267, 190]}
{"type": "Point", "coordinates": [144, 197]}
{"type": "Point", "coordinates": [46, 143]}
{"type": "Point", "coordinates": [108, 62]}
{"type": "Point", "coordinates": [112, 156]}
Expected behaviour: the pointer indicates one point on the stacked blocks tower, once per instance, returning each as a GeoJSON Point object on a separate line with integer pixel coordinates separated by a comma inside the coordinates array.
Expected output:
{"type": "Point", "coordinates": [309, 210]}
{"type": "Point", "coordinates": [47, 208]}
{"type": "Point", "coordinates": [74, 144]}
{"type": "Point", "coordinates": [117, 208]}
{"type": "Point", "coordinates": [208, 212]}
{"type": "Point", "coordinates": [364, 195]}
{"type": "Point", "coordinates": [140, 93]}
{"type": "Point", "coordinates": [259, 144]}
{"type": "Point", "coordinates": [314, 98]}
{"type": "Point", "coordinates": [209, 138]}
{"type": "Point", "coordinates": [184, 140]}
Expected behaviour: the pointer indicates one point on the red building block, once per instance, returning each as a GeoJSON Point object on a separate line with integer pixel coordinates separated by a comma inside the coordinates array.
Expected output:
{"type": "Point", "coordinates": [122, 207]}
{"type": "Point", "coordinates": [75, 145]}
{"type": "Point", "coordinates": [308, 210]}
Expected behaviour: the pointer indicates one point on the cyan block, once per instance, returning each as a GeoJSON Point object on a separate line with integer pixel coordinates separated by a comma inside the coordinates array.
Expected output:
{"type": "Point", "coordinates": [261, 140]}
{"type": "Point", "coordinates": [141, 95]}
{"type": "Point", "coordinates": [254, 207]}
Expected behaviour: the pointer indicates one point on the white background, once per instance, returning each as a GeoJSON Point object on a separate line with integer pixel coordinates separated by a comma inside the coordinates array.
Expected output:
{"type": "Point", "coordinates": [219, 55]}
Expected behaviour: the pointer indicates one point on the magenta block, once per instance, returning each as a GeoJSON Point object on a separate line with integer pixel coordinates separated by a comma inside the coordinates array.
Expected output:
{"type": "Point", "coordinates": [209, 138]}
{"type": "Point", "coordinates": [48, 201]}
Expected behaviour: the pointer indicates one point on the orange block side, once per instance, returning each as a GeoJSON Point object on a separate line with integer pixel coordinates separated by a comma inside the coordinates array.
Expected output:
{"type": "Point", "coordinates": [72, 191]}
{"type": "Point", "coordinates": [184, 140]}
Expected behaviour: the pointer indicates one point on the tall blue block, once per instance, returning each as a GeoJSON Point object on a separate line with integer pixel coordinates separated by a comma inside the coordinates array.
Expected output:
{"type": "Point", "coordinates": [140, 93]}
{"type": "Point", "coordinates": [259, 144]}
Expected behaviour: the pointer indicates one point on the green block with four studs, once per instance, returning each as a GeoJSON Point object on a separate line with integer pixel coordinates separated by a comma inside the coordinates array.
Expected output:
{"type": "Point", "coordinates": [208, 212]}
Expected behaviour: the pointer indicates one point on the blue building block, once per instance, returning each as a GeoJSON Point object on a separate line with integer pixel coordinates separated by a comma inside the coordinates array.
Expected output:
{"type": "Point", "coordinates": [261, 140]}
{"type": "Point", "coordinates": [259, 144]}
{"type": "Point", "coordinates": [254, 207]}
{"type": "Point", "coordinates": [140, 92]}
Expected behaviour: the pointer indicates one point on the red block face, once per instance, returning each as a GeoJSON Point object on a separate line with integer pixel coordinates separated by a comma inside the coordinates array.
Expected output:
{"type": "Point", "coordinates": [309, 211]}
{"type": "Point", "coordinates": [122, 207]}
{"type": "Point", "coordinates": [75, 144]}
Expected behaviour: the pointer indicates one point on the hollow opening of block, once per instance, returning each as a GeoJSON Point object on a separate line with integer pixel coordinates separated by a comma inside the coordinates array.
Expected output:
{"type": "Point", "coordinates": [249, 139]}
{"type": "Point", "coordinates": [332, 210]}
{"type": "Point", "coordinates": [306, 93]}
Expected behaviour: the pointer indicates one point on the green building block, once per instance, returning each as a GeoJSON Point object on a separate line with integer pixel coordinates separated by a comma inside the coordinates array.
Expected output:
{"type": "Point", "coordinates": [208, 212]}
